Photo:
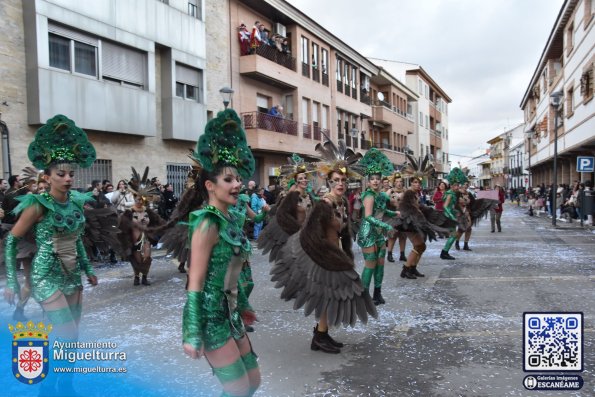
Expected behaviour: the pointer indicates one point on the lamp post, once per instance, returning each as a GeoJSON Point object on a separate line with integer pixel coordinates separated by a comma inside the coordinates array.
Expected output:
{"type": "Point", "coordinates": [556, 103]}
{"type": "Point", "coordinates": [226, 94]}
{"type": "Point", "coordinates": [529, 134]}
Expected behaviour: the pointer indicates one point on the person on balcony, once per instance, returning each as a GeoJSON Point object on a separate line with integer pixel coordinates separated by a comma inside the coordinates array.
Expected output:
{"type": "Point", "coordinates": [244, 38]}
{"type": "Point", "coordinates": [276, 124]}
{"type": "Point", "coordinates": [255, 39]}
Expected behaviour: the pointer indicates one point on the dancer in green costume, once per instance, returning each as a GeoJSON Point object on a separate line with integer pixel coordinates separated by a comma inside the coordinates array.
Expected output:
{"type": "Point", "coordinates": [371, 235]}
{"type": "Point", "coordinates": [57, 219]}
{"type": "Point", "coordinates": [456, 177]}
{"type": "Point", "coordinates": [217, 308]}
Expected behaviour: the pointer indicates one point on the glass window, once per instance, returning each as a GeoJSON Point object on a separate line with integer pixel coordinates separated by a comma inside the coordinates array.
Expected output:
{"type": "Point", "coordinates": [314, 55]}
{"type": "Point", "coordinates": [191, 92]}
{"type": "Point", "coordinates": [180, 90]}
{"type": "Point", "coordinates": [59, 52]}
{"type": "Point", "coordinates": [338, 69]}
{"type": "Point", "coordinates": [84, 59]}
{"type": "Point", "coordinates": [304, 50]}
{"type": "Point", "coordinates": [324, 61]}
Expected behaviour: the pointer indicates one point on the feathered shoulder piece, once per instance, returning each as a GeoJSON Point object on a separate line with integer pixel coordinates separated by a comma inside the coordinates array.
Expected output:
{"type": "Point", "coordinates": [421, 168]}
{"type": "Point", "coordinates": [224, 144]}
{"type": "Point", "coordinates": [141, 186]}
{"type": "Point", "coordinates": [376, 162]}
{"type": "Point", "coordinates": [31, 175]}
{"type": "Point", "coordinates": [456, 175]}
{"type": "Point", "coordinates": [338, 158]}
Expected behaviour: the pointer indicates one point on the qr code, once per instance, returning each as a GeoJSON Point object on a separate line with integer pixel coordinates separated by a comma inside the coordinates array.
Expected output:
{"type": "Point", "coordinates": [553, 341]}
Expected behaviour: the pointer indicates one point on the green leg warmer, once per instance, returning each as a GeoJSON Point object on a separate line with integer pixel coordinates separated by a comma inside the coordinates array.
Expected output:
{"type": "Point", "coordinates": [60, 316]}
{"type": "Point", "coordinates": [367, 277]}
{"type": "Point", "coordinates": [381, 253]}
{"type": "Point", "coordinates": [449, 243]}
{"type": "Point", "coordinates": [378, 276]}
{"type": "Point", "coordinates": [230, 372]}
{"type": "Point", "coordinates": [249, 360]}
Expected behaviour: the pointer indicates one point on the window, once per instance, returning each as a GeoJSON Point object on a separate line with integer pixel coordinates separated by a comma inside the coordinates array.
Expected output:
{"type": "Point", "coordinates": [124, 65]}
{"type": "Point", "coordinates": [324, 61]}
{"type": "Point", "coordinates": [194, 8]}
{"type": "Point", "coordinates": [353, 77]}
{"type": "Point", "coordinates": [587, 83]}
{"type": "Point", "coordinates": [72, 50]}
{"type": "Point", "coordinates": [420, 88]}
{"type": "Point", "coordinates": [324, 117]}
{"type": "Point", "coordinates": [262, 103]}
{"type": "Point", "coordinates": [338, 69]}
{"type": "Point", "coordinates": [315, 110]}
{"type": "Point", "coordinates": [570, 38]}
{"type": "Point", "coordinates": [188, 82]}
{"type": "Point", "coordinates": [177, 174]}
{"type": "Point", "coordinates": [314, 55]}
{"type": "Point", "coordinates": [304, 50]}
{"type": "Point", "coordinates": [421, 119]}
{"type": "Point", "coordinates": [305, 103]}
{"type": "Point", "coordinates": [100, 170]}
{"type": "Point", "coordinates": [570, 102]}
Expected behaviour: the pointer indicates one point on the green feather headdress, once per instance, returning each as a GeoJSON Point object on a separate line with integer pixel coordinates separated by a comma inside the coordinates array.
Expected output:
{"type": "Point", "coordinates": [376, 162]}
{"type": "Point", "coordinates": [456, 175]}
{"type": "Point", "coordinates": [61, 141]}
{"type": "Point", "coordinates": [224, 145]}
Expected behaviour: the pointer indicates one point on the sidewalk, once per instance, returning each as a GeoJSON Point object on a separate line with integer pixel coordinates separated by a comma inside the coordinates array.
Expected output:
{"type": "Point", "coordinates": [546, 221]}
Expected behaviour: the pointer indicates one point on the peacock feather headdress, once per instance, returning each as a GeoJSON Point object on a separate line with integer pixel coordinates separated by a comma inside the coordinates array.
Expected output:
{"type": "Point", "coordinates": [338, 158]}
{"type": "Point", "coordinates": [59, 141]}
{"type": "Point", "coordinates": [421, 168]}
{"type": "Point", "coordinates": [376, 162]}
{"type": "Point", "coordinates": [456, 175]}
{"type": "Point", "coordinates": [140, 186]}
{"type": "Point", "coordinates": [224, 144]}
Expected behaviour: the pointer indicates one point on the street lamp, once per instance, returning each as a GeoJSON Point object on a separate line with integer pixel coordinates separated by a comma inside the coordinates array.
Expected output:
{"type": "Point", "coordinates": [556, 103]}
{"type": "Point", "coordinates": [226, 94]}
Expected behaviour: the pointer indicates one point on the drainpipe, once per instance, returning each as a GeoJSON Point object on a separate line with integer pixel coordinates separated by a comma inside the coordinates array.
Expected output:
{"type": "Point", "coordinates": [6, 166]}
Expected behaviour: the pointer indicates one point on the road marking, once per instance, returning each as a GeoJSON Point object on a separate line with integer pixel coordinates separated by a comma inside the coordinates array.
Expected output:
{"type": "Point", "coordinates": [529, 278]}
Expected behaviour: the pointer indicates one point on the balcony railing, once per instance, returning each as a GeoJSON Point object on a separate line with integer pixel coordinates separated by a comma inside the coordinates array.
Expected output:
{"type": "Point", "coordinates": [318, 133]}
{"type": "Point", "coordinates": [381, 145]}
{"type": "Point", "coordinates": [273, 54]}
{"type": "Point", "coordinates": [347, 90]}
{"type": "Point", "coordinates": [366, 144]}
{"type": "Point", "coordinates": [307, 131]}
{"type": "Point", "coordinates": [305, 70]}
{"type": "Point", "coordinates": [364, 97]}
{"type": "Point", "coordinates": [315, 74]}
{"type": "Point", "coordinates": [270, 123]}
{"type": "Point", "coordinates": [325, 79]}
{"type": "Point", "coordinates": [339, 86]}
{"type": "Point", "coordinates": [353, 92]}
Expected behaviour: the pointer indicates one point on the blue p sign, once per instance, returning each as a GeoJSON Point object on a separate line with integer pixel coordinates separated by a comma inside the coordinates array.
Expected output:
{"type": "Point", "coordinates": [585, 164]}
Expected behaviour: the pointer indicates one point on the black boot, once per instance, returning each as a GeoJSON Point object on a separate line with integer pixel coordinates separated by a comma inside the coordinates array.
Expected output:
{"type": "Point", "coordinates": [416, 273]}
{"type": "Point", "coordinates": [181, 268]}
{"type": "Point", "coordinates": [136, 280]}
{"type": "Point", "coordinates": [445, 255]}
{"type": "Point", "coordinates": [330, 339]}
{"type": "Point", "coordinates": [249, 328]}
{"type": "Point", "coordinates": [389, 257]}
{"type": "Point", "coordinates": [112, 256]}
{"type": "Point", "coordinates": [145, 281]}
{"type": "Point", "coordinates": [466, 247]}
{"type": "Point", "coordinates": [377, 298]}
{"type": "Point", "coordinates": [403, 258]}
{"type": "Point", "coordinates": [406, 273]}
{"type": "Point", "coordinates": [457, 246]}
{"type": "Point", "coordinates": [321, 342]}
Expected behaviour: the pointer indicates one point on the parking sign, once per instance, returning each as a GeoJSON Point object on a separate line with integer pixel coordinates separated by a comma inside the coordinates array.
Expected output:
{"type": "Point", "coordinates": [585, 164]}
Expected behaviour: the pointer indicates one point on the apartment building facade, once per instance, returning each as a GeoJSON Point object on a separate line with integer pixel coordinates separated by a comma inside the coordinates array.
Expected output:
{"type": "Point", "coordinates": [567, 65]}
{"type": "Point", "coordinates": [132, 76]}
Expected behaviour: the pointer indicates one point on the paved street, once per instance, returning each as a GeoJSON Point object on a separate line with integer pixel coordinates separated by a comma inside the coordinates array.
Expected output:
{"type": "Point", "coordinates": [457, 332]}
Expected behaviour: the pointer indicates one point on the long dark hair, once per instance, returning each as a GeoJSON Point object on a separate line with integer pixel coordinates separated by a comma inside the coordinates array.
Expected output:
{"type": "Point", "coordinates": [314, 241]}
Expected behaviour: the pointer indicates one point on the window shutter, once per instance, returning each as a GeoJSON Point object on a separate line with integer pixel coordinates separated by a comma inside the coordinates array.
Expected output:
{"type": "Point", "coordinates": [123, 63]}
{"type": "Point", "coordinates": [64, 31]}
{"type": "Point", "coordinates": [188, 75]}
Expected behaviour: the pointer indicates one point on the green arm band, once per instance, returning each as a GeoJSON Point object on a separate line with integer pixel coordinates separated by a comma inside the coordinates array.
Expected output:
{"type": "Point", "coordinates": [243, 303]}
{"type": "Point", "coordinates": [10, 257]}
{"type": "Point", "coordinates": [192, 319]}
{"type": "Point", "coordinates": [378, 222]}
{"type": "Point", "coordinates": [450, 213]}
{"type": "Point", "coordinates": [390, 213]}
{"type": "Point", "coordinates": [260, 217]}
{"type": "Point", "coordinates": [83, 259]}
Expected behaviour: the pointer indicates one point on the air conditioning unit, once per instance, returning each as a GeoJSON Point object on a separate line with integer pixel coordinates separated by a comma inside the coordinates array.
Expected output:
{"type": "Point", "coordinates": [280, 30]}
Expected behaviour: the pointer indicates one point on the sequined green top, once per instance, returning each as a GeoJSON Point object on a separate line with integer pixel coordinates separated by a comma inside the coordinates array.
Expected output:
{"type": "Point", "coordinates": [60, 255]}
{"type": "Point", "coordinates": [449, 210]}
{"type": "Point", "coordinates": [224, 299]}
{"type": "Point", "coordinates": [370, 232]}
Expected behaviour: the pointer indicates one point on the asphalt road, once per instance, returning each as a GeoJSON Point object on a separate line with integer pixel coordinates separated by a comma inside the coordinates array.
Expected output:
{"type": "Point", "coordinates": [457, 332]}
